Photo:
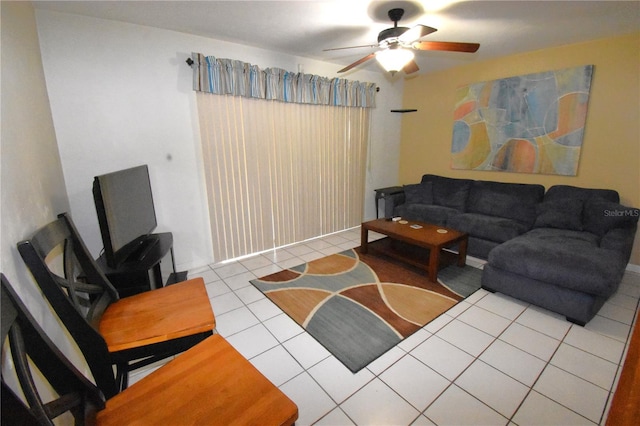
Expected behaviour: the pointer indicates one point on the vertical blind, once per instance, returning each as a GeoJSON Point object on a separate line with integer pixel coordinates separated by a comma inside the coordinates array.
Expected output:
{"type": "Point", "coordinates": [280, 172]}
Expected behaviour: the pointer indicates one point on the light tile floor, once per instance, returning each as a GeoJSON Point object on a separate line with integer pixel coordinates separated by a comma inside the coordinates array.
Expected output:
{"type": "Point", "coordinates": [489, 360]}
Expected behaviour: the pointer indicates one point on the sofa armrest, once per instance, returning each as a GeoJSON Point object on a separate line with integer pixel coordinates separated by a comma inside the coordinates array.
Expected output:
{"type": "Point", "coordinates": [619, 239]}
{"type": "Point", "coordinates": [391, 201]}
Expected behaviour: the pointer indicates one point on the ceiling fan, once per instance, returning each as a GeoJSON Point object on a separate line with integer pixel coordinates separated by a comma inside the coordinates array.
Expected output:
{"type": "Point", "coordinates": [397, 44]}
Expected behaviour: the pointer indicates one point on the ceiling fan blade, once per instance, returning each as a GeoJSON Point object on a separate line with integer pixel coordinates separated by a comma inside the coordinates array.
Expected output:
{"type": "Point", "coordinates": [416, 33]}
{"type": "Point", "coordinates": [350, 47]}
{"type": "Point", "coordinates": [447, 46]}
{"type": "Point", "coordinates": [358, 62]}
{"type": "Point", "coordinates": [411, 67]}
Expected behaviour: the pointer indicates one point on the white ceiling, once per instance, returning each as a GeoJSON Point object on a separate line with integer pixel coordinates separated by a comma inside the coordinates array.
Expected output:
{"type": "Point", "coordinates": [306, 27]}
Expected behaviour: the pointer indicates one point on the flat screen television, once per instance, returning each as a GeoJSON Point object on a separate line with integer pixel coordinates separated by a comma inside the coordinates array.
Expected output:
{"type": "Point", "coordinates": [126, 214]}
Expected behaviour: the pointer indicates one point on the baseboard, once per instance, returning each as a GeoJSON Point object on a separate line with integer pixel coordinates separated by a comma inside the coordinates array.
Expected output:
{"type": "Point", "coordinates": [633, 268]}
{"type": "Point", "coordinates": [479, 263]}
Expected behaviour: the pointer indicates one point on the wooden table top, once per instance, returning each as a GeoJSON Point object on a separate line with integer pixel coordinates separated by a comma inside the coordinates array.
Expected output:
{"type": "Point", "coordinates": [210, 384]}
{"type": "Point", "coordinates": [167, 313]}
{"type": "Point", "coordinates": [427, 236]}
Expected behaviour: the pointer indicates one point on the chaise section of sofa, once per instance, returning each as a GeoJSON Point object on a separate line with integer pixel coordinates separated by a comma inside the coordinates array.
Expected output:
{"type": "Point", "coordinates": [573, 259]}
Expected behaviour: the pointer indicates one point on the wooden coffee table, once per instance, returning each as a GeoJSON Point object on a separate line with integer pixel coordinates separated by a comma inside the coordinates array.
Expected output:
{"type": "Point", "coordinates": [433, 238]}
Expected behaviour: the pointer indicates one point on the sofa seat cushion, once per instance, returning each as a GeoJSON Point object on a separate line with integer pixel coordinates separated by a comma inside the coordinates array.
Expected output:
{"type": "Point", "coordinates": [428, 213]}
{"type": "Point", "coordinates": [492, 228]}
{"type": "Point", "coordinates": [566, 258]}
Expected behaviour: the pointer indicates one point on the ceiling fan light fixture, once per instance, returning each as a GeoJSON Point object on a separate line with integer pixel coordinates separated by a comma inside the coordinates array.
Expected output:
{"type": "Point", "coordinates": [394, 60]}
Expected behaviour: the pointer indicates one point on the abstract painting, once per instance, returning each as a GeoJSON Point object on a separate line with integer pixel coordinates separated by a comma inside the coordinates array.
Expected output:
{"type": "Point", "coordinates": [526, 124]}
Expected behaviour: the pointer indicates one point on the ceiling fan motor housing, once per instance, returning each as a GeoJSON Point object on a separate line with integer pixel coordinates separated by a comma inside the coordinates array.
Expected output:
{"type": "Point", "coordinates": [394, 32]}
{"type": "Point", "coordinates": [395, 15]}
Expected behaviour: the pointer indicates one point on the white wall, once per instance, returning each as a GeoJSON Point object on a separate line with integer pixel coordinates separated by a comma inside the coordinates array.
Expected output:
{"type": "Point", "coordinates": [32, 184]}
{"type": "Point", "coordinates": [121, 96]}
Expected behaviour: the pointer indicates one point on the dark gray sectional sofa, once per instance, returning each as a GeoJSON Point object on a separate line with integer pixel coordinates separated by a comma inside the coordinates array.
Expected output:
{"type": "Point", "coordinates": [565, 249]}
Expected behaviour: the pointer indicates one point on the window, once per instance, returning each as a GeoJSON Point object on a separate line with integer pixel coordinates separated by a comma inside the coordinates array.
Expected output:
{"type": "Point", "coordinates": [279, 173]}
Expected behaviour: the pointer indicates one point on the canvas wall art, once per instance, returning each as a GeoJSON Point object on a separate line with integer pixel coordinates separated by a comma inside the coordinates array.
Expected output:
{"type": "Point", "coordinates": [526, 124]}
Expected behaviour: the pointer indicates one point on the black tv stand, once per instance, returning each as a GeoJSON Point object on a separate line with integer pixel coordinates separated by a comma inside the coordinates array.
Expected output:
{"type": "Point", "coordinates": [145, 245]}
{"type": "Point", "coordinates": [149, 267]}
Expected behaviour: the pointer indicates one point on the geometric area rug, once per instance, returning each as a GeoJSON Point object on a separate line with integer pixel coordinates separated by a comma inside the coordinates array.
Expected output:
{"type": "Point", "coordinates": [360, 306]}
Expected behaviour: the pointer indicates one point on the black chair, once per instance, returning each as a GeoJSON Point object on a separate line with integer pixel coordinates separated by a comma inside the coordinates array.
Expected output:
{"type": "Point", "coordinates": [27, 341]}
{"type": "Point", "coordinates": [81, 294]}
{"type": "Point", "coordinates": [211, 383]}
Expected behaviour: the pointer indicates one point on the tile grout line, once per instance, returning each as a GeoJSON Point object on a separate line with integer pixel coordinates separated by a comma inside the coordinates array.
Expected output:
{"type": "Point", "coordinates": [475, 358]}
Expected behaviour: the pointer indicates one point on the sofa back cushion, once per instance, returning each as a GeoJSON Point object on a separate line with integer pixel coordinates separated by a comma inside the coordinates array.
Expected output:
{"type": "Point", "coordinates": [560, 214]}
{"type": "Point", "coordinates": [507, 200]}
{"type": "Point", "coordinates": [600, 216]}
{"type": "Point", "coordinates": [449, 192]}
{"type": "Point", "coordinates": [418, 193]}
{"type": "Point", "coordinates": [568, 207]}
{"type": "Point", "coordinates": [563, 192]}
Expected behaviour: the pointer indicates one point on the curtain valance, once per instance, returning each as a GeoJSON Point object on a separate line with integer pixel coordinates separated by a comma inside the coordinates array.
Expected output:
{"type": "Point", "coordinates": [237, 78]}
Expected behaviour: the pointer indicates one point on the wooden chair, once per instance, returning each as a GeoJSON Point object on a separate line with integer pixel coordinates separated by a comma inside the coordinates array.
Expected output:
{"type": "Point", "coordinates": [129, 333]}
{"type": "Point", "coordinates": [211, 383]}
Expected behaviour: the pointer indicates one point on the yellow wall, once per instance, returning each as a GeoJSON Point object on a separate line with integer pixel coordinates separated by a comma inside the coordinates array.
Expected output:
{"type": "Point", "coordinates": [611, 147]}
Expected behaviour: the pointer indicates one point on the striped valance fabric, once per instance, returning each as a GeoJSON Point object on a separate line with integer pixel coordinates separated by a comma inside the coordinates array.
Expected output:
{"type": "Point", "coordinates": [237, 78]}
